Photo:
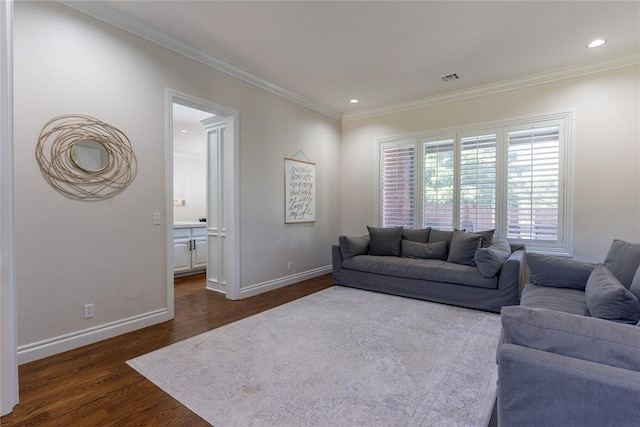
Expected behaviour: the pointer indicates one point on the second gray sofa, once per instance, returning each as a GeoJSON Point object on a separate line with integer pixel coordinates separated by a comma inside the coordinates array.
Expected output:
{"type": "Point", "coordinates": [570, 353]}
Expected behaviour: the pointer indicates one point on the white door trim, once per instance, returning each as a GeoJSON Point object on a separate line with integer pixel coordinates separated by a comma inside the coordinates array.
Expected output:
{"type": "Point", "coordinates": [8, 301]}
{"type": "Point", "coordinates": [231, 188]}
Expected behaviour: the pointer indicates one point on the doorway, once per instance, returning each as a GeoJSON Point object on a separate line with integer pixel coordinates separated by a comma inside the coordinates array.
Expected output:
{"type": "Point", "coordinates": [217, 196]}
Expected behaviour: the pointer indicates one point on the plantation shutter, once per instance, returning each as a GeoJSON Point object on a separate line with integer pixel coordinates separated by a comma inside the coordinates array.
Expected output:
{"type": "Point", "coordinates": [398, 184]}
{"type": "Point", "coordinates": [477, 191]}
{"type": "Point", "coordinates": [438, 182]}
{"type": "Point", "coordinates": [533, 184]}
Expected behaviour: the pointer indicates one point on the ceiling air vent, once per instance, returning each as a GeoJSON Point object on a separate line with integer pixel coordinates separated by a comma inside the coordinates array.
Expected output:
{"type": "Point", "coordinates": [450, 77]}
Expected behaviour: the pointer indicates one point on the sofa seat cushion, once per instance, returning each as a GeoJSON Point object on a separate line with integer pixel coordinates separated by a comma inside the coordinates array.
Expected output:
{"type": "Point", "coordinates": [567, 300]}
{"type": "Point", "coordinates": [421, 269]}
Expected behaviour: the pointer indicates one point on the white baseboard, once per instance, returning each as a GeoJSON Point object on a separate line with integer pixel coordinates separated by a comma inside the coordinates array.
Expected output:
{"type": "Point", "coordinates": [49, 347]}
{"type": "Point", "coordinates": [249, 291]}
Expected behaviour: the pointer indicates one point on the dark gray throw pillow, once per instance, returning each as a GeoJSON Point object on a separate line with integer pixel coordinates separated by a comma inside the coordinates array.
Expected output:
{"type": "Point", "coordinates": [623, 260]}
{"type": "Point", "coordinates": [419, 235]}
{"type": "Point", "coordinates": [463, 247]}
{"type": "Point", "coordinates": [352, 246]}
{"type": "Point", "coordinates": [489, 260]}
{"type": "Point", "coordinates": [436, 250]}
{"type": "Point", "coordinates": [608, 299]}
{"type": "Point", "coordinates": [487, 237]}
{"type": "Point", "coordinates": [547, 270]}
{"type": "Point", "coordinates": [384, 241]}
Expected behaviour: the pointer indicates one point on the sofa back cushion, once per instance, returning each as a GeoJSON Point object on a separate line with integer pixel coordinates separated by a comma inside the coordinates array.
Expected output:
{"type": "Point", "coordinates": [384, 241]}
{"type": "Point", "coordinates": [623, 259]}
{"type": "Point", "coordinates": [608, 299]}
{"type": "Point", "coordinates": [418, 235]}
{"type": "Point", "coordinates": [352, 246]}
{"type": "Point", "coordinates": [547, 270]}
{"type": "Point", "coordinates": [436, 235]}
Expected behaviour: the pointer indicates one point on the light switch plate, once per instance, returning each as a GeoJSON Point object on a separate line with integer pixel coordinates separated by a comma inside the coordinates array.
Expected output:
{"type": "Point", "coordinates": [157, 218]}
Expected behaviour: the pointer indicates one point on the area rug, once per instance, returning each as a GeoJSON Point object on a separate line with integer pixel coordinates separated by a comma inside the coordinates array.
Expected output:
{"type": "Point", "coordinates": [339, 357]}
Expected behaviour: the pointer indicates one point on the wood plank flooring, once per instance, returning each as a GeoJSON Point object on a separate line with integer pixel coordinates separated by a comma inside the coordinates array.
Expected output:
{"type": "Point", "coordinates": [93, 386]}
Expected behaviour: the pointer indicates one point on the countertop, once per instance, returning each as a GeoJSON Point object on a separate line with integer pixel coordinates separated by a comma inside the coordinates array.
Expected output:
{"type": "Point", "coordinates": [189, 224]}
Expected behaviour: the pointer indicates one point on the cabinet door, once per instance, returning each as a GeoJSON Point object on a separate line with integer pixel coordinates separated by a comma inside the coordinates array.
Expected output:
{"type": "Point", "coordinates": [199, 254]}
{"type": "Point", "coordinates": [181, 255]}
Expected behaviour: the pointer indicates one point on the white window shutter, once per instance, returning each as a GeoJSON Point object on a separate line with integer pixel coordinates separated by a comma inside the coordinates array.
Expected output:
{"type": "Point", "coordinates": [398, 163]}
{"type": "Point", "coordinates": [533, 184]}
{"type": "Point", "coordinates": [477, 189]}
{"type": "Point", "coordinates": [439, 184]}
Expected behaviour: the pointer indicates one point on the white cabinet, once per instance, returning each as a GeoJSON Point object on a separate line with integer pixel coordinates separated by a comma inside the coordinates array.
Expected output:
{"type": "Point", "coordinates": [189, 249]}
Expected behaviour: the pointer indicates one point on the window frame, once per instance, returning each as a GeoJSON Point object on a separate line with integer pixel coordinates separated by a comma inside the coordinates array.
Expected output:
{"type": "Point", "coordinates": [563, 246]}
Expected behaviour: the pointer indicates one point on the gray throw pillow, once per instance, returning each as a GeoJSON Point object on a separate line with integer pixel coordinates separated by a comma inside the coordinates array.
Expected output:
{"type": "Point", "coordinates": [419, 235]}
{"type": "Point", "coordinates": [352, 246]}
{"type": "Point", "coordinates": [384, 241]}
{"type": "Point", "coordinates": [487, 237]}
{"type": "Point", "coordinates": [608, 299]}
{"type": "Point", "coordinates": [463, 247]}
{"type": "Point", "coordinates": [547, 270]}
{"type": "Point", "coordinates": [623, 260]}
{"type": "Point", "coordinates": [571, 335]}
{"type": "Point", "coordinates": [490, 260]}
{"type": "Point", "coordinates": [436, 250]}
{"type": "Point", "coordinates": [635, 284]}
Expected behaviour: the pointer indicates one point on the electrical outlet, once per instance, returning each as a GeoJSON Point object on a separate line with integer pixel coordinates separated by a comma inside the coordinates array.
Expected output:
{"type": "Point", "coordinates": [88, 311]}
{"type": "Point", "coordinates": [289, 266]}
{"type": "Point", "coordinates": [157, 218]}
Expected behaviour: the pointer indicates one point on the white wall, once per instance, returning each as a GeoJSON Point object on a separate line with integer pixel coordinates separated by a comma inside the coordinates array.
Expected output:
{"type": "Point", "coordinates": [606, 179]}
{"type": "Point", "coordinates": [69, 252]}
{"type": "Point", "coordinates": [190, 185]}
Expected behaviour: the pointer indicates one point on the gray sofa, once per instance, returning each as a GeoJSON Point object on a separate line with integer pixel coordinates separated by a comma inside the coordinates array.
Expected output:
{"type": "Point", "coordinates": [441, 266]}
{"type": "Point", "coordinates": [570, 353]}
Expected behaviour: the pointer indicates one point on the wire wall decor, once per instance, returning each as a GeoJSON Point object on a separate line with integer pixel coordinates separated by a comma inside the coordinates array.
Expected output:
{"type": "Point", "coordinates": [85, 158]}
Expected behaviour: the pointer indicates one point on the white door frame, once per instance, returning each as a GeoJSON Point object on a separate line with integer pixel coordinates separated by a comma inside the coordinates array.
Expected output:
{"type": "Point", "coordinates": [8, 301]}
{"type": "Point", "coordinates": [230, 196]}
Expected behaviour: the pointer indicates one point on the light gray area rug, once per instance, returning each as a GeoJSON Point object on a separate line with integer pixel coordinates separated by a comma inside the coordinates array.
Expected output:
{"type": "Point", "coordinates": [339, 357]}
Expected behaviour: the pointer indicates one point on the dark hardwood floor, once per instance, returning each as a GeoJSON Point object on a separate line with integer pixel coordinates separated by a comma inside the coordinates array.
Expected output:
{"type": "Point", "coordinates": [93, 386]}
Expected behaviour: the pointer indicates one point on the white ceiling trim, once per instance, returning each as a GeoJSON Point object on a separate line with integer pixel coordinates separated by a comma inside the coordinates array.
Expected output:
{"type": "Point", "coordinates": [506, 85]}
{"type": "Point", "coordinates": [113, 17]}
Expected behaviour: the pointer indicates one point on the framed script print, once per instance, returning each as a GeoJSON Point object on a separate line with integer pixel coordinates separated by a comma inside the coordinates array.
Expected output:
{"type": "Point", "coordinates": [299, 191]}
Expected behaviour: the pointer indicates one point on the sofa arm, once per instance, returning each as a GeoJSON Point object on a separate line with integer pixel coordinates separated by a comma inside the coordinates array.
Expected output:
{"type": "Point", "coordinates": [547, 270]}
{"type": "Point", "coordinates": [513, 271]}
{"type": "Point", "coordinates": [587, 338]}
{"type": "Point", "coordinates": [538, 388]}
{"type": "Point", "coordinates": [336, 260]}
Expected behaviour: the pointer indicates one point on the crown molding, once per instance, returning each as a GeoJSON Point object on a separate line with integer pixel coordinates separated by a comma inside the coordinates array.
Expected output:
{"type": "Point", "coordinates": [107, 14]}
{"type": "Point", "coordinates": [503, 86]}
{"type": "Point", "coordinates": [111, 16]}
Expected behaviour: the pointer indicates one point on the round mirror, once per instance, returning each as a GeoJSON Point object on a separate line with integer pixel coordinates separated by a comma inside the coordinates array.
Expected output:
{"type": "Point", "coordinates": [89, 155]}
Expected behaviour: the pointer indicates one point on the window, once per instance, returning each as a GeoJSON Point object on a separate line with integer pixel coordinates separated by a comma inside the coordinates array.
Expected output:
{"type": "Point", "coordinates": [509, 176]}
{"type": "Point", "coordinates": [438, 184]}
{"type": "Point", "coordinates": [398, 189]}
{"type": "Point", "coordinates": [533, 184]}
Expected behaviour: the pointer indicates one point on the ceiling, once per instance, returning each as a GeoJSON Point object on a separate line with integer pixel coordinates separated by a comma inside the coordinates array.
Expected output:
{"type": "Point", "coordinates": [189, 136]}
{"type": "Point", "coordinates": [385, 53]}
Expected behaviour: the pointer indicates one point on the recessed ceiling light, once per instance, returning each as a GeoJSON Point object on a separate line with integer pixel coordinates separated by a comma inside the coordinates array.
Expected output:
{"type": "Point", "coordinates": [183, 131]}
{"type": "Point", "coordinates": [596, 43]}
{"type": "Point", "coordinates": [354, 101]}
